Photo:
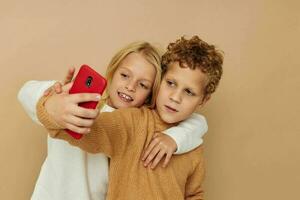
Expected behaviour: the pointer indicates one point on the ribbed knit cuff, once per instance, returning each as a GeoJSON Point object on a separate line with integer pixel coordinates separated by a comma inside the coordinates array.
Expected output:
{"type": "Point", "coordinates": [44, 116]}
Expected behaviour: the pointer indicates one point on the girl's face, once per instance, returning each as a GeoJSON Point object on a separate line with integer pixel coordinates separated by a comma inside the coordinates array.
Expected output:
{"type": "Point", "coordinates": [132, 82]}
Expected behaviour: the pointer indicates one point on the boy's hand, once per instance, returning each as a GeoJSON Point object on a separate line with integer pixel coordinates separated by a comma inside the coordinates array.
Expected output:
{"type": "Point", "coordinates": [57, 87]}
{"type": "Point", "coordinates": [65, 111]}
{"type": "Point", "coordinates": [160, 146]}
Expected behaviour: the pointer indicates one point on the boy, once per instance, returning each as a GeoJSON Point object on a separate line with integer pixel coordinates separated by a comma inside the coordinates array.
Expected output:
{"type": "Point", "coordinates": [192, 70]}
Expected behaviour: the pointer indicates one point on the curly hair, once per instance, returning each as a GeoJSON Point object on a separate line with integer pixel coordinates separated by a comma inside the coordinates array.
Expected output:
{"type": "Point", "coordinates": [196, 53]}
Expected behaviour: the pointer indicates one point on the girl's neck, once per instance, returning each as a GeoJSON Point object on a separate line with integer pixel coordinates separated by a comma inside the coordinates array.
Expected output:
{"type": "Point", "coordinates": [108, 102]}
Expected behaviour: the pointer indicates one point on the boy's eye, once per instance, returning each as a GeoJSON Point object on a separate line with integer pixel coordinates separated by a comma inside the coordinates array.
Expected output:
{"type": "Point", "coordinates": [144, 86]}
{"type": "Point", "coordinates": [170, 83]}
{"type": "Point", "coordinates": [189, 92]}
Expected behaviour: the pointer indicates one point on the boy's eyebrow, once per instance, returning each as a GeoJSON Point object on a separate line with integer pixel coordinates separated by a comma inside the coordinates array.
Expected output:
{"type": "Point", "coordinates": [131, 72]}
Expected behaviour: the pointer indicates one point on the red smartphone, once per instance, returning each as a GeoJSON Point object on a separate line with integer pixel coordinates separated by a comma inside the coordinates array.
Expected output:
{"type": "Point", "coordinates": [87, 81]}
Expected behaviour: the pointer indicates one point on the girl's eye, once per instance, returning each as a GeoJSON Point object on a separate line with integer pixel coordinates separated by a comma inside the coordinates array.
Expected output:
{"type": "Point", "coordinates": [124, 75]}
{"type": "Point", "coordinates": [189, 92]}
{"type": "Point", "coordinates": [144, 86]}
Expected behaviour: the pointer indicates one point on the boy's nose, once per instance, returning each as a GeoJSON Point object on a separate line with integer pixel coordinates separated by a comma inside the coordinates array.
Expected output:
{"type": "Point", "coordinates": [176, 97]}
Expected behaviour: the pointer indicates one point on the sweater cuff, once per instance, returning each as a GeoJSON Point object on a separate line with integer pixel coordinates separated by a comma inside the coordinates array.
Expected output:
{"type": "Point", "coordinates": [43, 116]}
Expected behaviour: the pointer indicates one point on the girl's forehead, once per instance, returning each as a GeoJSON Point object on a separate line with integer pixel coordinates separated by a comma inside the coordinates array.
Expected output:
{"type": "Point", "coordinates": [138, 66]}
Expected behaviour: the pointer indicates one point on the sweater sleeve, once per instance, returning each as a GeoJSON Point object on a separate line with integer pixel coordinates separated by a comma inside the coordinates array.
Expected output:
{"type": "Point", "coordinates": [188, 134]}
{"type": "Point", "coordinates": [110, 134]}
{"type": "Point", "coordinates": [194, 184]}
{"type": "Point", "coordinates": [29, 95]}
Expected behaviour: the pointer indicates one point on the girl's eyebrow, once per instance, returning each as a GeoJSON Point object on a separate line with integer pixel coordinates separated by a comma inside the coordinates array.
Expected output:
{"type": "Point", "coordinates": [124, 68]}
{"type": "Point", "coordinates": [146, 80]}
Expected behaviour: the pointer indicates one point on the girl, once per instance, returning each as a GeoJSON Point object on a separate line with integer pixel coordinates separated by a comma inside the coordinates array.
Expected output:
{"type": "Point", "coordinates": [133, 76]}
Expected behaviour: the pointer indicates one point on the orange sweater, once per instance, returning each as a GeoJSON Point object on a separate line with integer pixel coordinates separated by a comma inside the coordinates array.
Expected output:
{"type": "Point", "coordinates": [122, 135]}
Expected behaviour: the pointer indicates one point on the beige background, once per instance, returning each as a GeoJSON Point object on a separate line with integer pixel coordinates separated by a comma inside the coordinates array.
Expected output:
{"type": "Point", "coordinates": [252, 147]}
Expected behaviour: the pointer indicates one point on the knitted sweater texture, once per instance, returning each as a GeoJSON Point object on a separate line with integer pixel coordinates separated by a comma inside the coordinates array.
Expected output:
{"type": "Point", "coordinates": [122, 135]}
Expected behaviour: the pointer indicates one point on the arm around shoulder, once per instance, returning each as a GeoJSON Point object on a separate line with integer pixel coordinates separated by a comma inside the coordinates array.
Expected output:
{"type": "Point", "coordinates": [188, 134]}
{"type": "Point", "coordinates": [30, 93]}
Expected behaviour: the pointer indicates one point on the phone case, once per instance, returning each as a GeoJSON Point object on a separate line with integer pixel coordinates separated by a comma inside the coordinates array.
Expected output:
{"type": "Point", "coordinates": [87, 81]}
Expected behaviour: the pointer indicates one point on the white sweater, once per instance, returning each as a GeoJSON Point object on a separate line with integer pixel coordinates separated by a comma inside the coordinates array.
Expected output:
{"type": "Point", "coordinates": [68, 173]}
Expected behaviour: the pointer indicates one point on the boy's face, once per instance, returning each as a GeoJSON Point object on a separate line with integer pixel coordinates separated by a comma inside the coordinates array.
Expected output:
{"type": "Point", "coordinates": [180, 93]}
{"type": "Point", "coordinates": [132, 82]}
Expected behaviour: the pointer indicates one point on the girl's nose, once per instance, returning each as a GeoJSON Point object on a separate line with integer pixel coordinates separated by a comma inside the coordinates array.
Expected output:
{"type": "Point", "coordinates": [130, 86]}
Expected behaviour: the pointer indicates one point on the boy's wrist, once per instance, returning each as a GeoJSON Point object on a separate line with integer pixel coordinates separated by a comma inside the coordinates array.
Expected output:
{"type": "Point", "coordinates": [44, 117]}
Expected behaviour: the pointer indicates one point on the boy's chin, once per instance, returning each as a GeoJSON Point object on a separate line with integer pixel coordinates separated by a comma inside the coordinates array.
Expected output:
{"type": "Point", "coordinates": [170, 119]}
{"type": "Point", "coordinates": [174, 118]}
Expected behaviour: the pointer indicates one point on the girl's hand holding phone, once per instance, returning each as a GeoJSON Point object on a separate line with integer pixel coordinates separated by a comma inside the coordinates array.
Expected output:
{"type": "Point", "coordinates": [57, 87]}
{"type": "Point", "coordinates": [161, 147]}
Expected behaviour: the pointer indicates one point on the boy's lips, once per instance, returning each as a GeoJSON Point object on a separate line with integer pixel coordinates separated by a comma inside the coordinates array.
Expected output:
{"type": "Point", "coordinates": [125, 97]}
{"type": "Point", "coordinates": [170, 109]}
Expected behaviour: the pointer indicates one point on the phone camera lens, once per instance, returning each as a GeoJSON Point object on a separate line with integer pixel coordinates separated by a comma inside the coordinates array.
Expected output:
{"type": "Point", "coordinates": [88, 81]}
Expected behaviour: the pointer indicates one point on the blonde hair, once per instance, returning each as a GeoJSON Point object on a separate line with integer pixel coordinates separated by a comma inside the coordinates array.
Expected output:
{"type": "Point", "coordinates": [150, 53]}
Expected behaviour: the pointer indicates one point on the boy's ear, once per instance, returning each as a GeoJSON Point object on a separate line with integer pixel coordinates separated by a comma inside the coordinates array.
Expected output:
{"type": "Point", "coordinates": [204, 100]}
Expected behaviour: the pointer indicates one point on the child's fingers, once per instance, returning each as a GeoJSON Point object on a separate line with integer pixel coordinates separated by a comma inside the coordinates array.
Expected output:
{"type": "Point", "coordinates": [58, 88]}
{"type": "Point", "coordinates": [69, 75]}
{"type": "Point", "coordinates": [84, 112]}
{"type": "Point", "coordinates": [79, 122]}
{"type": "Point", "coordinates": [149, 148]}
{"type": "Point", "coordinates": [156, 134]}
{"type": "Point", "coordinates": [152, 154]}
{"type": "Point", "coordinates": [85, 97]}
{"type": "Point", "coordinates": [76, 129]}
{"type": "Point", "coordinates": [158, 158]}
{"type": "Point", "coordinates": [47, 92]}
{"type": "Point", "coordinates": [167, 159]}
{"type": "Point", "coordinates": [67, 87]}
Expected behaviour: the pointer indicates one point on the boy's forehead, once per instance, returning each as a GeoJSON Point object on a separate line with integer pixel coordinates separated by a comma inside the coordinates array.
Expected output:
{"type": "Point", "coordinates": [190, 77]}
